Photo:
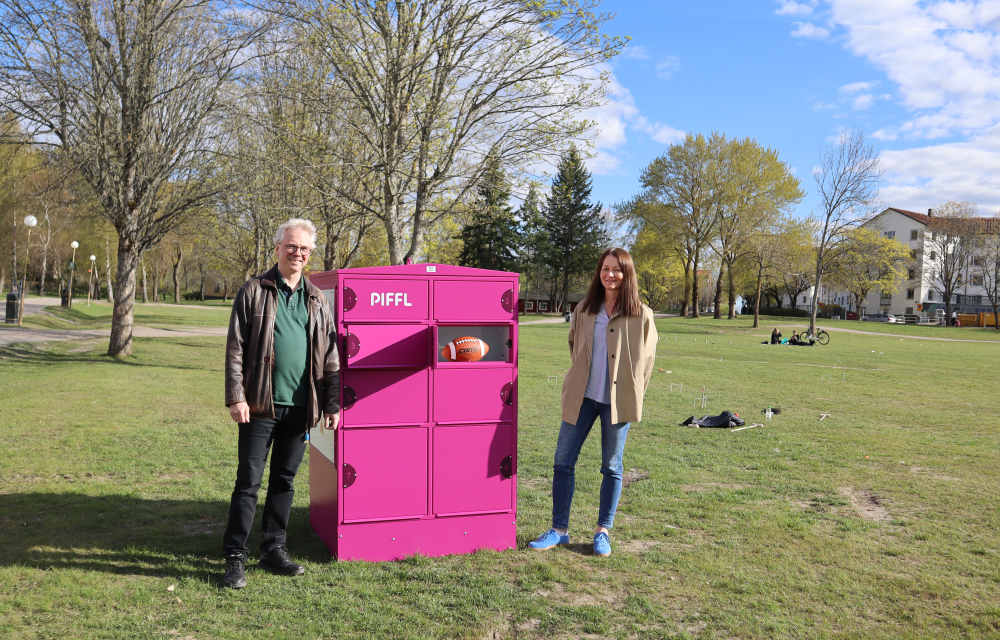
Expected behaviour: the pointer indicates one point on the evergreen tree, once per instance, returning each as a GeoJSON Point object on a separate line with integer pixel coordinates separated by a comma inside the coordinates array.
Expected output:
{"type": "Point", "coordinates": [490, 239]}
{"type": "Point", "coordinates": [534, 246]}
{"type": "Point", "coordinates": [573, 224]}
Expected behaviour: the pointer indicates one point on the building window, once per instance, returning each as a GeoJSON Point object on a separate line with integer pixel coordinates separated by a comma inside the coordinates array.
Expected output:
{"type": "Point", "coordinates": [890, 234]}
{"type": "Point", "coordinates": [977, 261]}
{"type": "Point", "coordinates": [913, 254]}
{"type": "Point", "coordinates": [543, 306]}
{"type": "Point", "coordinates": [933, 255]}
{"type": "Point", "coordinates": [977, 279]}
{"type": "Point", "coordinates": [529, 305]}
{"type": "Point", "coordinates": [930, 296]}
{"type": "Point", "coordinates": [803, 300]}
{"type": "Point", "coordinates": [913, 234]}
{"type": "Point", "coordinates": [218, 287]}
{"type": "Point", "coordinates": [911, 274]}
{"type": "Point", "coordinates": [909, 311]}
{"type": "Point", "coordinates": [909, 294]}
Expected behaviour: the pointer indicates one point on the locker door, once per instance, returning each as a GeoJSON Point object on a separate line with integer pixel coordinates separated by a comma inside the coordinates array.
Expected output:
{"type": "Point", "coordinates": [386, 345]}
{"type": "Point", "coordinates": [385, 473]}
{"type": "Point", "coordinates": [473, 466]}
{"type": "Point", "coordinates": [393, 396]}
{"type": "Point", "coordinates": [473, 394]}
{"type": "Point", "coordinates": [484, 300]}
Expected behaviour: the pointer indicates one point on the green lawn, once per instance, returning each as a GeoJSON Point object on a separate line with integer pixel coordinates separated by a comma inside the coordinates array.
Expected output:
{"type": "Point", "coordinates": [98, 316]}
{"type": "Point", "coordinates": [878, 522]}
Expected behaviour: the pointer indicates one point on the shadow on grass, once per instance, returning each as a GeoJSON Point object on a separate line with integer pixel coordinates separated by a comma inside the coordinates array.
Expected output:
{"type": "Point", "coordinates": [34, 353]}
{"type": "Point", "coordinates": [125, 535]}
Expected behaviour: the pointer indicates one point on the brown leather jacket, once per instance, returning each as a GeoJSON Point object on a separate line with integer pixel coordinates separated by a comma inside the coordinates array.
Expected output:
{"type": "Point", "coordinates": [250, 349]}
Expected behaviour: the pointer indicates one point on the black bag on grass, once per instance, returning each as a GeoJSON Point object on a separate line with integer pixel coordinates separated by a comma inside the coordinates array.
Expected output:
{"type": "Point", "coordinates": [724, 420]}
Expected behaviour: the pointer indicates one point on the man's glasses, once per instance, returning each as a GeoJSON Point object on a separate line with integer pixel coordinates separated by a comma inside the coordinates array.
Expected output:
{"type": "Point", "coordinates": [294, 248]}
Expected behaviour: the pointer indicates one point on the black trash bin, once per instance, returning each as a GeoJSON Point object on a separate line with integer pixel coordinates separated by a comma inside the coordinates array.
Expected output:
{"type": "Point", "coordinates": [13, 307]}
{"type": "Point", "coordinates": [65, 297]}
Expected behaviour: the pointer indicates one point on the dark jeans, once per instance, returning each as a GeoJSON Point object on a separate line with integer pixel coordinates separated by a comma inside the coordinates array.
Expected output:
{"type": "Point", "coordinates": [285, 431]}
{"type": "Point", "coordinates": [571, 439]}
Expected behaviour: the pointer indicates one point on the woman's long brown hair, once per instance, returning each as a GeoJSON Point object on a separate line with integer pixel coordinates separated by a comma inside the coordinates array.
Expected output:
{"type": "Point", "coordinates": [628, 302]}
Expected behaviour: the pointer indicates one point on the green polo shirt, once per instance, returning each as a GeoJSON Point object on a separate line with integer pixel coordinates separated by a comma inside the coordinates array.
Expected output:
{"type": "Point", "coordinates": [291, 346]}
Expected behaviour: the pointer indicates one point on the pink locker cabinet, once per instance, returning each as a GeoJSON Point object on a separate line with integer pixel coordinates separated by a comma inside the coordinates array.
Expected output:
{"type": "Point", "coordinates": [426, 458]}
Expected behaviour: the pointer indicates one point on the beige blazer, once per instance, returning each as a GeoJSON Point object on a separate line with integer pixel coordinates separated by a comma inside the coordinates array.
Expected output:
{"type": "Point", "coordinates": [631, 355]}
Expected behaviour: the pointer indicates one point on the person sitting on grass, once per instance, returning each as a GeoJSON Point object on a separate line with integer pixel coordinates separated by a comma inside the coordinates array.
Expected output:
{"type": "Point", "coordinates": [612, 346]}
{"type": "Point", "coordinates": [776, 336]}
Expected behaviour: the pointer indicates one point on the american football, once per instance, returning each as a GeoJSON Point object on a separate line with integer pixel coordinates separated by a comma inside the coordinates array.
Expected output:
{"type": "Point", "coordinates": [465, 349]}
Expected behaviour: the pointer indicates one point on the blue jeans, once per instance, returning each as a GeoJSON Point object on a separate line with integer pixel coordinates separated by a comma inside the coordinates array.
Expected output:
{"type": "Point", "coordinates": [571, 439]}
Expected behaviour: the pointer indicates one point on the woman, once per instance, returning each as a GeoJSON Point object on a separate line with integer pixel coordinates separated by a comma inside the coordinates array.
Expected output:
{"type": "Point", "coordinates": [776, 336]}
{"type": "Point", "coordinates": [612, 344]}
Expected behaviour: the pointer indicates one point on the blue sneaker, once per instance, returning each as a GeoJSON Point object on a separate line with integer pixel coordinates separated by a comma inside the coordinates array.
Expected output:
{"type": "Point", "coordinates": [549, 539]}
{"type": "Point", "coordinates": [602, 544]}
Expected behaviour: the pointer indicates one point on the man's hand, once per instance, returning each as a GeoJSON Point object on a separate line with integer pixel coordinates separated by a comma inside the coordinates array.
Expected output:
{"type": "Point", "coordinates": [239, 412]}
{"type": "Point", "coordinates": [332, 421]}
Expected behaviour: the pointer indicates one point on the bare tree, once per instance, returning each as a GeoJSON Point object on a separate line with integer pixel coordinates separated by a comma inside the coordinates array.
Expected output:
{"type": "Point", "coordinates": [987, 264]}
{"type": "Point", "coordinates": [439, 87]}
{"type": "Point", "coordinates": [946, 249]}
{"type": "Point", "coordinates": [848, 179]}
{"type": "Point", "coordinates": [130, 93]}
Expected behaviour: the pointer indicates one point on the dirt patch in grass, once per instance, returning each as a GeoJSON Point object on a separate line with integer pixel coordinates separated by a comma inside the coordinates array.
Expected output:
{"type": "Point", "coordinates": [594, 596]}
{"type": "Point", "coordinates": [174, 476]}
{"type": "Point", "coordinates": [711, 486]}
{"type": "Point", "coordinates": [867, 504]}
{"type": "Point", "coordinates": [639, 546]}
{"type": "Point", "coordinates": [633, 475]}
{"type": "Point", "coordinates": [201, 527]}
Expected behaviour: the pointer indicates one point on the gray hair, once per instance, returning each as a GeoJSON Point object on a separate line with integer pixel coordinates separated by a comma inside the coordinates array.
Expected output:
{"type": "Point", "coordinates": [296, 223]}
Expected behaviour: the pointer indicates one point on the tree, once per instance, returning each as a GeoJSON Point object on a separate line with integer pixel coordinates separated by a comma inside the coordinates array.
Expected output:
{"type": "Point", "coordinates": [572, 223]}
{"type": "Point", "coordinates": [764, 250]}
{"type": "Point", "coordinates": [797, 256]}
{"type": "Point", "coordinates": [682, 192]}
{"type": "Point", "coordinates": [131, 94]}
{"type": "Point", "coordinates": [848, 180]}
{"type": "Point", "coordinates": [986, 264]}
{"type": "Point", "coordinates": [868, 260]}
{"type": "Point", "coordinates": [534, 245]}
{"type": "Point", "coordinates": [757, 189]}
{"type": "Point", "coordinates": [658, 270]}
{"type": "Point", "coordinates": [438, 88]}
{"type": "Point", "coordinates": [946, 249]}
{"type": "Point", "coordinates": [490, 239]}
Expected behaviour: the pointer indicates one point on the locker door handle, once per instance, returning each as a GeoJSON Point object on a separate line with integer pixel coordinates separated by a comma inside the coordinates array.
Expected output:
{"type": "Point", "coordinates": [350, 299]}
{"type": "Point", "coordinates": [350, 475]}
{"type": "Point", "coordinates": [507, 393]}
{"type": "Point", "coordinates": [350, 397]}
{"type": "Point", "coordinates": [507, 300]}
{"type": "Point", "coordinates": [507, 467]}
{"type": "Point", "coordinates": [352, 345]}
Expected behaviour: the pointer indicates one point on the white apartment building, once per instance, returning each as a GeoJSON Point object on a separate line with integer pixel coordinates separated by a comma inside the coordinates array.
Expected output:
{"type": "Point", "coordinates": [916, 294]}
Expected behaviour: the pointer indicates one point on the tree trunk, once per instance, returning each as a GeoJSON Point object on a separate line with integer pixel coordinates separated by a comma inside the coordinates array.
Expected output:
{"type": "Point", "coordinates": [695, 313]}
{"type": "Point", "coordinates": [756, 307]}
{"type": "Point", "coordinates": [718, 292]}
{"type": "Point", "coordinates": [177, 275]}
{"type": "Point", "coordinates": [732, 292]}
{"type": "Point", "coordinates": [41, 282]}
{"type": "Point", "coordinates": [145, 289]}
{"type": "Point", "coordinates": [815, 307]}
{"type": "Point", "coordinates": [996, 317]}
{"type": "Point", "coordinates": [565, 290]}
{"type": "Point", "coordinates": [124, 302]}
{"type": "Point", "coordinates": [687, 288]}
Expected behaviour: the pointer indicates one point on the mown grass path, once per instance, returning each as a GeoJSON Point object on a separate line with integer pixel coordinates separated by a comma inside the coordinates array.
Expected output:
{"type": "Point", "coordinates": [878, 522]}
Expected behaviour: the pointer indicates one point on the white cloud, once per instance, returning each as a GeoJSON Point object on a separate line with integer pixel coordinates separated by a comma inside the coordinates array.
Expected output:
{"type": "Point", "coordinates": [809, 30]}
{"type": "Point", "coordinates": [927, 176]}
{"type": "Point", "coordinates": [613, 121]}
{"type": "Point", "coordinates": [636, 52]}
{"type": "Point", "coordinates": [792, 8]}
{"type": "Point", "coordinates": [856, 87]}
{"type": "Point", "coordinates": [889, 133]}
{"type": "Point", "coordinates": [666, 67]}
{"type": "Point", "coordinates": [942, 55]}
{"type": "Point", "coordinates": [862, 102]}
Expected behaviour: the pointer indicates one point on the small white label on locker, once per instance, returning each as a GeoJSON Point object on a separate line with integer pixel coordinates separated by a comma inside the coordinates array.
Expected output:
{"type": "Point", "coordinates": [431, 268]}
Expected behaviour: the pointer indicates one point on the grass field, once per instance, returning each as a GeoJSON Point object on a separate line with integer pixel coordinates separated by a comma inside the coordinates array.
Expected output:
{"type": "Point", "coordinates": [880, 521]}
{"type": "Point", "coordinates": [98, 316]}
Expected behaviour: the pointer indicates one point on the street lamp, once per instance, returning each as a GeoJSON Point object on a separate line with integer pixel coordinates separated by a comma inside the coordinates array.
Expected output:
{"type": "Point", "coordinates": [90, 282]}
{"type": "Point", "coordinates": [72, 270]}
{"type": "Point", "coordinates": [31, 222]}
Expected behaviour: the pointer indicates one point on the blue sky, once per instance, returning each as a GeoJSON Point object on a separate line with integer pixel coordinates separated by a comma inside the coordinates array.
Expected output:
{"type": "Point", "coordinates": [921, 78]}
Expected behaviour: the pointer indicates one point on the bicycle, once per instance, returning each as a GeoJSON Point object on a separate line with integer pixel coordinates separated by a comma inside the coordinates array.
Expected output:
{"type": "Point", "coordinates": [821, 336]}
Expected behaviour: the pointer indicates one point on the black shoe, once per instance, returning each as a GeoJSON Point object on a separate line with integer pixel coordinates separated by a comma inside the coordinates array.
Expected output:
{"type": "Point", "coordinates": [236, 571]}
{"type": "Point", "coordinates": [278, 561]}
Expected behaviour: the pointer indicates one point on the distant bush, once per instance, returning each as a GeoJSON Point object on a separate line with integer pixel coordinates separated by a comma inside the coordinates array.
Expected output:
{"type": "Point", "coordinates": [777, 311]}
{"type": "Point", "coordinates": [192, 295]}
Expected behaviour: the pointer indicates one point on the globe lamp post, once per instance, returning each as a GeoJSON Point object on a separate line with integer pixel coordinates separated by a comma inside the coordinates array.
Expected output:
{"type": "Point", "coordinates": [90, 280]}
{"type": "Point", "coordinates": [72, 271]}
{"type": "Point", "coordinates": [31, 222]}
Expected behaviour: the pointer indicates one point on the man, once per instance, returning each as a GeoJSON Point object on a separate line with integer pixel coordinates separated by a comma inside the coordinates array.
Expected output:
{"type": "Point", "coordinates": [282, 374]}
